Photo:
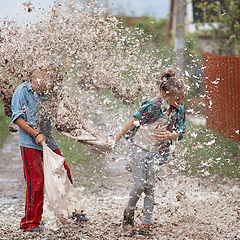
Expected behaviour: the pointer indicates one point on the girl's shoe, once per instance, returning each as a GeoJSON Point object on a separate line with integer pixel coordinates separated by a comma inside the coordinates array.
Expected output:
{"type": "Point", "coordinates": [144, 230]}
{"type": "Point", "coordinates": [128, 218]}
{"type": "Point", "coordinates": [80, 217]}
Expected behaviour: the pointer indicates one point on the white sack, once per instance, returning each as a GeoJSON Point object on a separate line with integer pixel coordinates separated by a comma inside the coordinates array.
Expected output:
{"type": "Point", "coordinates": [61, 197]}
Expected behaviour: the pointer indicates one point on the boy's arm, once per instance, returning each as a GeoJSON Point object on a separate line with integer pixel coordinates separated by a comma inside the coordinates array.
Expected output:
{"type": "Point", "coordinates": [128, 126]}
{"type": "Point", "coordinates": [39, 138]}
{"type": "Point", "coordinates": [18, 114]}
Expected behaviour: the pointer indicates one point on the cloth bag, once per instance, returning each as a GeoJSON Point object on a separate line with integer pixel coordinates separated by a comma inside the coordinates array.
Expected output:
{"type": "Point", "coordinates": [61, 197]}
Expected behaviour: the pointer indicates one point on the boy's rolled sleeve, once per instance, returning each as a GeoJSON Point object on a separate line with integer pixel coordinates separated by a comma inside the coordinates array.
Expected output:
{"type": "Point", "coordinates": [17, 106]}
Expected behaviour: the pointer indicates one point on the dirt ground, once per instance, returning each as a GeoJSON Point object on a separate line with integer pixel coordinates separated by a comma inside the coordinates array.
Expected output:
{"type": "Point", "coordinates": [186, 208]}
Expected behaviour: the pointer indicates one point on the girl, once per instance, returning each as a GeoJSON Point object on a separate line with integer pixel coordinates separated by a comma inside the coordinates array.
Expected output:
{"type": "Point", "coordinates": [151, 131]}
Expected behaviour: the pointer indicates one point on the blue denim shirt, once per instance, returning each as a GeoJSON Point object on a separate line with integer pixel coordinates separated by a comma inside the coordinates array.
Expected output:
{"type": "Point", "coordinates": [25, 103]}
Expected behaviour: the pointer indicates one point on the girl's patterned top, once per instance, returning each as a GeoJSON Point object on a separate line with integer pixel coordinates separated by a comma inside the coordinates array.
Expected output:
{"type": "Point", "coordinates": [152, 110]}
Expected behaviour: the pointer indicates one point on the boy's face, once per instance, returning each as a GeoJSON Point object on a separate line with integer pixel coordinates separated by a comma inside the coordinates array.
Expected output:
{"type": "Point", "coordinates": [174, 100]}
{"type": "Point", "coordinates": [42, 82]}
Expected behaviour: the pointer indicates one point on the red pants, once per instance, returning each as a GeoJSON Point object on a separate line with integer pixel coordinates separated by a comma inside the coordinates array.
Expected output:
{"type": "Point", "coordinates": [33, 174]}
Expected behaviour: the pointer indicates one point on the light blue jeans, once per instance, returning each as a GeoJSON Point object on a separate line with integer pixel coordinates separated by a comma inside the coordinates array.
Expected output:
{"type": "Point", "coordinates": [142, 165]}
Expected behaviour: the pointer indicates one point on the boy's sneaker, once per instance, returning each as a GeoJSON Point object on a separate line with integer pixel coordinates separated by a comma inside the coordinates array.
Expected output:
{"type": "Point", "coordinates": [144, 230]}
{"type": "Point", "coordinates": [34, 229]}
{"type": "Point", "coordinates": [128, 218]}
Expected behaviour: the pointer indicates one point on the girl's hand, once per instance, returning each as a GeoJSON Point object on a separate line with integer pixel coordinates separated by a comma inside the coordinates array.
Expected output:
{"type": "Point", "coordinates": [162, 135]}
{"type": "Point", "coordinates": [40, 139]}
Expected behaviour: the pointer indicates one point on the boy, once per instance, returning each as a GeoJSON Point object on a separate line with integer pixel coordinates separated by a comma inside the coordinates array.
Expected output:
{"type": "Point", "coordinates": [34, 129]}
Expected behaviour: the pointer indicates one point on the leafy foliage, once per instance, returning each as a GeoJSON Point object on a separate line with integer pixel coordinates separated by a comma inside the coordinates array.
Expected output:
{"type": "Point", "coordinates": [224, 19]}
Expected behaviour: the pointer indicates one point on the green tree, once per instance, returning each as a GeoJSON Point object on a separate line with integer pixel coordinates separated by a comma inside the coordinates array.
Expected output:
{"type": "Point", "coordinates": [224, 18]}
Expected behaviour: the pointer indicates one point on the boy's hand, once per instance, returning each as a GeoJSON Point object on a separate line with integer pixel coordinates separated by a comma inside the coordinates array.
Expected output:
{"type": "Point", "coordinates": [40, 139]}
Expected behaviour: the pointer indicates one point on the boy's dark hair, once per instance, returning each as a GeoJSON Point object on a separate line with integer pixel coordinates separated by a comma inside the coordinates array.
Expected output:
{"type": "Point", "coordinates": [171, 82]}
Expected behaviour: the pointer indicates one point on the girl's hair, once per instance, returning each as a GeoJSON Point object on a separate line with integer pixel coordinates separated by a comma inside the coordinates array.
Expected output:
{"type": "Point", "coordinates": [171, 83]}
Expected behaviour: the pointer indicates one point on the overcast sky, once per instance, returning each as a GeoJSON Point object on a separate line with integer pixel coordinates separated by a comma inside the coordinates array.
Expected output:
{"type": "Point", "coordinates": [13, 9]}
{"type": "Point", "coordinates": [155, 8]}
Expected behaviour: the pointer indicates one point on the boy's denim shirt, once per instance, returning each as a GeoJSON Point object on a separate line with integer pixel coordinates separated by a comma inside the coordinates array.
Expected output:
{"type": "Point", "coordinates": [25, 103]}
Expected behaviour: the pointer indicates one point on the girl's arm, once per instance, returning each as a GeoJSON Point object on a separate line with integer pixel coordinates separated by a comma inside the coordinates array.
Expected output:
{"type": "Point", "coordinates": [128, 126]}
{"type": "Point", "coordinates": [25, 127]}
